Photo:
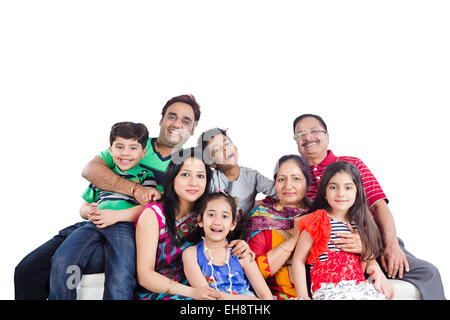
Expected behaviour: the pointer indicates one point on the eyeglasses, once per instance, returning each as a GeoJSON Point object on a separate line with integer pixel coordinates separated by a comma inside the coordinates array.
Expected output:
{"type": "Point", "coordinates": [301, 134]}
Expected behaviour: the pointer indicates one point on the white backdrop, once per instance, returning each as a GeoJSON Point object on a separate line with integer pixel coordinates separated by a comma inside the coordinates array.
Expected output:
{"type": "Point", "coordinates": [377, 71]}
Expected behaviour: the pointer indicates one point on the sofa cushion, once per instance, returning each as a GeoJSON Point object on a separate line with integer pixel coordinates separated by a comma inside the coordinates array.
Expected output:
{"type": "Point", "coordinates": [91, 288]}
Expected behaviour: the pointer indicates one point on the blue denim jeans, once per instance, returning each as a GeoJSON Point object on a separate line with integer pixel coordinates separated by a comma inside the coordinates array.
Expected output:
{"type": "Point", "coordinates": [71, 258]}
{"type": "Point", "coordinates": [32, 274]}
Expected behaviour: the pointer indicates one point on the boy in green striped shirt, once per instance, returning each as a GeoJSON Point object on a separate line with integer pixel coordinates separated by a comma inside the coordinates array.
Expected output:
{"type": "Point", "coordinates": [111, 222]}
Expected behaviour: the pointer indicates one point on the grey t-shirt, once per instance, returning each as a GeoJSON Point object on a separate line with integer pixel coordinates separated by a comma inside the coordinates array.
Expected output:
{"type": "Point", "coordinates": [249, 183]}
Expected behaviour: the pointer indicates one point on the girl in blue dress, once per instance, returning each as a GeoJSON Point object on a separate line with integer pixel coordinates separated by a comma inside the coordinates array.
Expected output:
{"type": "Point", "coordinates": [210, 262]}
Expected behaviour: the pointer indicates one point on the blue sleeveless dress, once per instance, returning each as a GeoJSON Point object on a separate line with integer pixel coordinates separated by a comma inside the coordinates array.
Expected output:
{"type": "Point", "coordinates": [227, 278]}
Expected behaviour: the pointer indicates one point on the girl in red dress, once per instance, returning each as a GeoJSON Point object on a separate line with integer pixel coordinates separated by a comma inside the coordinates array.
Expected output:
{"type": "Point", "coordinates": [340, 206]}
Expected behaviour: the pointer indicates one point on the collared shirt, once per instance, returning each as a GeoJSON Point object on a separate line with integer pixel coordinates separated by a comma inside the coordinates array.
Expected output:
{"type": "Point", "coordinates": [116, 201]}
{"type": "Point", "coordinates": [371, 186]}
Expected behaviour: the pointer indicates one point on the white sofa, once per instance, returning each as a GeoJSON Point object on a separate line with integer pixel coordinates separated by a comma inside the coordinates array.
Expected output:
{"type": "Point", "coordinates": [91, 288]}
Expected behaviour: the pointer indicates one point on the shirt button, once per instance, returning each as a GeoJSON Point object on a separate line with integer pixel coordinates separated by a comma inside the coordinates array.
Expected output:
{"type": "Point", "coordinates": [315, 169]}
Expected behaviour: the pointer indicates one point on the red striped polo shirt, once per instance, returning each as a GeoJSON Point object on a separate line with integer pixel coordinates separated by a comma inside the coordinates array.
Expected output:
{"type": "Point", "coordinates": [371, 186]}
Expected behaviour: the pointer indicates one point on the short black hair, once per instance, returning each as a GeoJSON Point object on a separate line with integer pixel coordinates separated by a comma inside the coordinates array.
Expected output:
{"type": "Point", "coordinates": [129, 130]}
{"type": "Point", "coordinates": [309, 115]}
{"type": "Point", "coordinates": [206, 137]}
{"type": "Point", "coordinates": [204, 140]}
{"type": "Point", "coordinates": [184, 98]}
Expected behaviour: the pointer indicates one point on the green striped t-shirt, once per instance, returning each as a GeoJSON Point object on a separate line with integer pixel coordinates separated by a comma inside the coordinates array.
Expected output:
{"type": "Point", "coordinates": [117, 201]}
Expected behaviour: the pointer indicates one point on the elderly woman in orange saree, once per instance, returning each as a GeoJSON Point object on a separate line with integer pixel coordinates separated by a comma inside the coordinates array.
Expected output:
{"type": "Point", "coordinates": [272, 234]}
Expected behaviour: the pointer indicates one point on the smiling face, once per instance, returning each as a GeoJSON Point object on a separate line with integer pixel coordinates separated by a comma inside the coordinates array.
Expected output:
{"type": "Point", "coordinates": [341, 193]}
{"type": "Point", "coordinates": [177, 125]}
{"type": "Point", "coordinates": [126, 153]}
{"type": "Point", "coordinates": [290, 184]}
{"type": "Point", "coordinates": [223, 151]}
{"type": "Point", "coordinates": [313, 147]}
{"type": "Point", "coordinates": [217, 220]}
{"type": "Point", "coordinates": [190, 182]}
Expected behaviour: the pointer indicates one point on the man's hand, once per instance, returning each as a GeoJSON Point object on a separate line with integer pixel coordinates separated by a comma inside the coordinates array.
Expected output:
{"type": "Point", "coordinates": [145, 195]}
{"type": "Point", "coordinates": [394, 261]}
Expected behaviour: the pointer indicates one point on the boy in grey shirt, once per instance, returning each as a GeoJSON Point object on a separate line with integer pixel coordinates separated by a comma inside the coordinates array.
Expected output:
{"type": "Point", "coordinates": [240, 182]}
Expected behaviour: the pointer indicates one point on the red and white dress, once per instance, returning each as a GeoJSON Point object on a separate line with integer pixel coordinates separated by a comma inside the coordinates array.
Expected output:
{"type": "Point", "coordinates": [335, 275]}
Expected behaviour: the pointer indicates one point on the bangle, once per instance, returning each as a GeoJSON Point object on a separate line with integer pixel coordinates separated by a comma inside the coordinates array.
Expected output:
{"type": "Point", "coordinates": [134, 188]}
{"type": "Point", "coordinates": [304, 297]}
{"type": "Point", "coordinates": [171, 284]}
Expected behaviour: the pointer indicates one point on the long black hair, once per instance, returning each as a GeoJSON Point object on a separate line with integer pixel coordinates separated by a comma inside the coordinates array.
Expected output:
{"type": "Point", "coordinates": [170, 200]}
{"type": "Point", "coordinates": [358, 213]}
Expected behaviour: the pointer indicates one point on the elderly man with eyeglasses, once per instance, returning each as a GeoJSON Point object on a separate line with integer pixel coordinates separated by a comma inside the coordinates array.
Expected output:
{"type": "Point", "coordinates": [311, 135]}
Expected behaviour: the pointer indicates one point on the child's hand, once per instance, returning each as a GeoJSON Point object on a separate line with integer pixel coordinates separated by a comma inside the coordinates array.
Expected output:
{"type": "Point", "coordinates": [90, 209]}
{"type": "Point", "coordinates": [375, 279]}
{"type": "Point", "coordinates": [104, 217]}
{"type": "Point", "coordinates": [380, 282]}
{"type": "Point", "coordinates": [386, 288]}
{"type": "Point", "coordinates": [206, 293]}
{"type": "Point", "coordinates": [241, 249]}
